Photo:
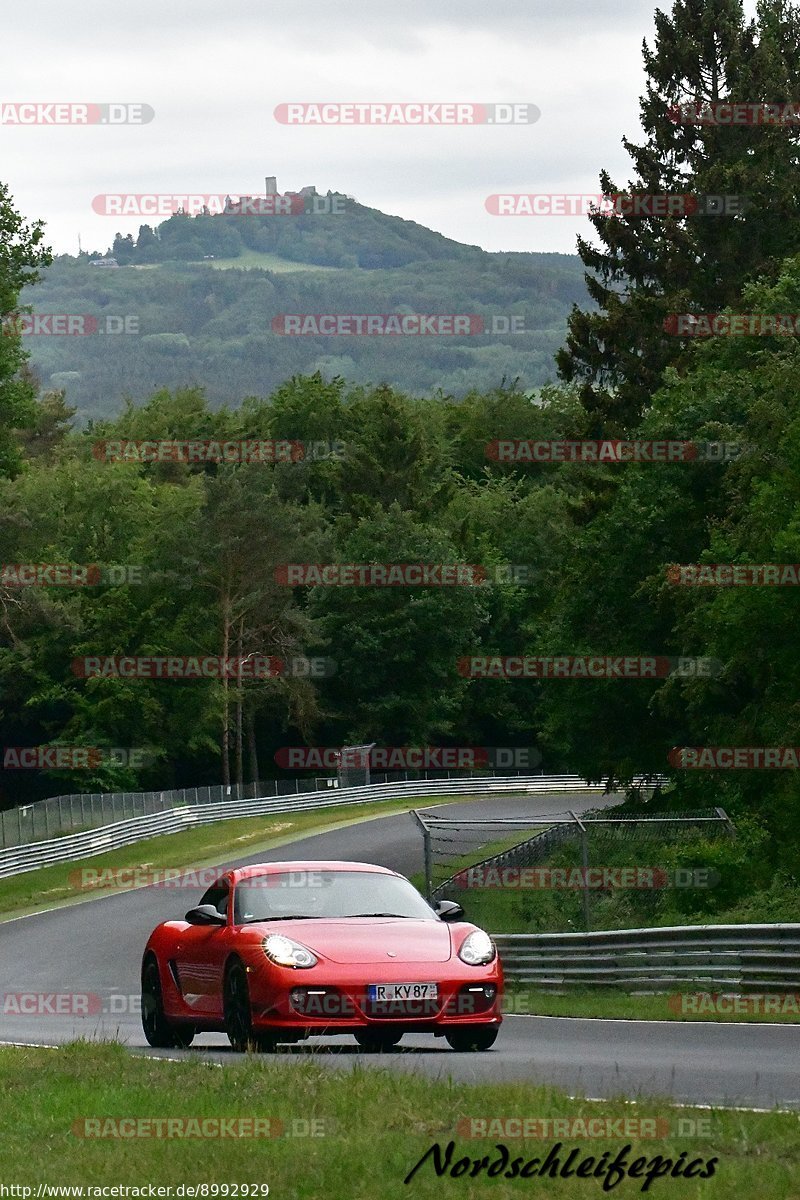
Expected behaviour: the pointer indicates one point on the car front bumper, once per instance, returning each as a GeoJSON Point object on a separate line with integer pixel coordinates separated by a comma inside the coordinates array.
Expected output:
{"type": "Point", "coordinates": [325, 999]}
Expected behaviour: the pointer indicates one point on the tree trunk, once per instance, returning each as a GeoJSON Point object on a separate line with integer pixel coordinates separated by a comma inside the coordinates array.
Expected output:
{"type": "Point", "coordinates": [239, 698]}
{"type": "Point", "coordinates": [252, 748]}
{"type": "Point", "coordinates": [226, 641]}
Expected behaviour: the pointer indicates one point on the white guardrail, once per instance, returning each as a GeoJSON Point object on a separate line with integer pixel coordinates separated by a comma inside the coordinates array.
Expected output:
{"type": "Point", "coordinates": [17, 859]}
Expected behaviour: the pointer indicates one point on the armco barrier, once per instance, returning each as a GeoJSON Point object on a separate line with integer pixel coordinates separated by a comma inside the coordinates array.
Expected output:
{"type": "Point", "coordinates": [755, 958]}
{"type": "Point", "coordinates": [17, 859]}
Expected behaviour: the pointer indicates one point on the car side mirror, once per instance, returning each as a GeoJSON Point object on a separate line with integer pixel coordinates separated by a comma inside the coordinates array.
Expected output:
{"type": "Point", "coordinates": [448, 910]}
{"type": "Point", "coordinates": [205, 914]}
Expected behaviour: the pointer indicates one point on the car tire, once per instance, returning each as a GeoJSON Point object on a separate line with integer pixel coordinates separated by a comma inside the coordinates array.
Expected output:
{"type": "Point", "coordinates": [377, 1040]}
{"type": "Point", "coordinates": [480, 1037]}
{"type": "Point", "coordinates": [160, 1032]}
{"type": "Point", "coordinates": [237, 1011]}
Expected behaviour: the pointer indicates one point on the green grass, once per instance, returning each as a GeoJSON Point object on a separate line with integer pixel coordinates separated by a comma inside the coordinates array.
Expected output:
{"type": "Point", "coordinates": [551, 909]}
{"type": "Point", "coordinates": [203, 846]}
{"type": "Point", "coordinates": [613, 1003]}
{"type": "Point", "coordinates": [266, 262]}
{"type": "Point", "coordinates": [477, 854]}
{"type": "Point", "coordinates": [371, 1127]}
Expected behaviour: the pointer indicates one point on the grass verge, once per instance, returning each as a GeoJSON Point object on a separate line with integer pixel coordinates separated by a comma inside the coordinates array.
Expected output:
{"type": "Point", "coordinates": [266, 262]}
{"type": "Point", "coordinates": [365, 1138]}
{"type": "Point", "coordinates": [694, 1005]}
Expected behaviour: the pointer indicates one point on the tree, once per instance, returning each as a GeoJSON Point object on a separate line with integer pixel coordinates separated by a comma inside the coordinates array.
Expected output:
{"type": "Point", "coordinates": [22, 253]}
{"type": "Point", "coordinates": [244, 533]}
{"type": "Point", "coordinates": [397, 647]}
{"type": "Point", "coordinates": [651, 266]}
{"type": "Point", "coordinates": [123, 249]}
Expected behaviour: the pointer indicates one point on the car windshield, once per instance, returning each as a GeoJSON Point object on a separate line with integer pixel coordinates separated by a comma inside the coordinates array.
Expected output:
{"type": "Point", "coordinates": [309, 894]}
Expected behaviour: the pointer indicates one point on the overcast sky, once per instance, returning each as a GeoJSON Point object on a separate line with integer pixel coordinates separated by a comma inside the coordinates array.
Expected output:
{"type": "Point", "coordinates": [214, 71]}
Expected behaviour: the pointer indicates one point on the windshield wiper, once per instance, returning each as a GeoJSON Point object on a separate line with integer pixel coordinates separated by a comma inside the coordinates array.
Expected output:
{"type": "Point", "coordinates": [403, 916]}
{"type": "Point", "coordinates": [284, 917]}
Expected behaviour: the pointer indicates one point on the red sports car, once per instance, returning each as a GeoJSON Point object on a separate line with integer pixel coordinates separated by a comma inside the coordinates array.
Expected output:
{"type": "Point", "coordinates": [276, 952]}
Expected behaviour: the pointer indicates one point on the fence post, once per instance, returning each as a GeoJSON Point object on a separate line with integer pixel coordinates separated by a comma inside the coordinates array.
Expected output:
{"type": "Point", "coordinates": [426, 845]}
{"type": "Point", "coordinates": [585, 859]}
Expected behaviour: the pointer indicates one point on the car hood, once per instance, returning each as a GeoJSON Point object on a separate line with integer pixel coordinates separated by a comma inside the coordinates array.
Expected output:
{"type": "Point", "coordinates": [369, 939]}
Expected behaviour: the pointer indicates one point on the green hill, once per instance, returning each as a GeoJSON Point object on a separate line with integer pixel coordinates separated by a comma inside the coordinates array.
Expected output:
{"type": "Point", "coordinates": [198, 296]}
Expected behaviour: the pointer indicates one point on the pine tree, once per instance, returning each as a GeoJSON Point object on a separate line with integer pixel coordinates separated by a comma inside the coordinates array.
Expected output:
{"type": "Point", "coordinates": [651, 266]}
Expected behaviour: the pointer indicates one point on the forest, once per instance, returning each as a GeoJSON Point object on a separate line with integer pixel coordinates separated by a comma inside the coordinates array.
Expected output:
{"type": "Point", "coordinates": [583, 553]}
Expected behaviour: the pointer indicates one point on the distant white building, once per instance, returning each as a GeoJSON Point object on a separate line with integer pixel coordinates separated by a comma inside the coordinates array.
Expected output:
{"type": "Point", "coordinates": [103, 262]}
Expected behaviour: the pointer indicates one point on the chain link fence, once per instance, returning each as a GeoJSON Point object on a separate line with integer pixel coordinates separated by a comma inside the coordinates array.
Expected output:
{"type": "Point", "coordinates": [565, 875]}
{"type": "Point", "coordinates": [61, 815]}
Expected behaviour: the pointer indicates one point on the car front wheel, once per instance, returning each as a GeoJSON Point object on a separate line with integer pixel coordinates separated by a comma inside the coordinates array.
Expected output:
{"type": "Point", "coordinates": [478, 1038]}
{"type": "Point", "coordinates": [236, 1008]}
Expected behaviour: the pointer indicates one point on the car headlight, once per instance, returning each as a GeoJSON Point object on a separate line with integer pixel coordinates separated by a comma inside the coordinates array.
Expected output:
{"type": "Point", "coordinates": [288, 953]}
{"type": "Point", "coordinates": [477, 949]}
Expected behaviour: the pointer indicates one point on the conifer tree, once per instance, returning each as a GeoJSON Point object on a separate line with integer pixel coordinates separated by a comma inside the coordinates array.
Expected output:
{"type": "Point", "coordinates": [650, 266]}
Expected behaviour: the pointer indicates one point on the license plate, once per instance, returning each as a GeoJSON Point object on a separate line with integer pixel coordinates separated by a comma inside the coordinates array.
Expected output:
{"type": "Point", "coordinates": [403, 991]}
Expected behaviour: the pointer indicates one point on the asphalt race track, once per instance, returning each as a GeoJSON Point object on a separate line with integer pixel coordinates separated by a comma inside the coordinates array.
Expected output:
{"type": "Point", "coordinates": [95, 947]}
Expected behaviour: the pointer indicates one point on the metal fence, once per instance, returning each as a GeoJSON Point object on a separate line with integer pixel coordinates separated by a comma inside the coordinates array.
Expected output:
{"type": "Point", "coordinates": [740, 958]}
{"type": "Point", "coordinates": [58, 815]}
{"type": "Point", "coordinates": [44, 819]}
{"type": "Point", "coordinates": [169, 818]}
{"type": "Point", "coordinates": [447, 840]}
{"type": "Point", "coordinates": [70, 813]}
{"type": "Point", "coordinates": [560, 831]}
